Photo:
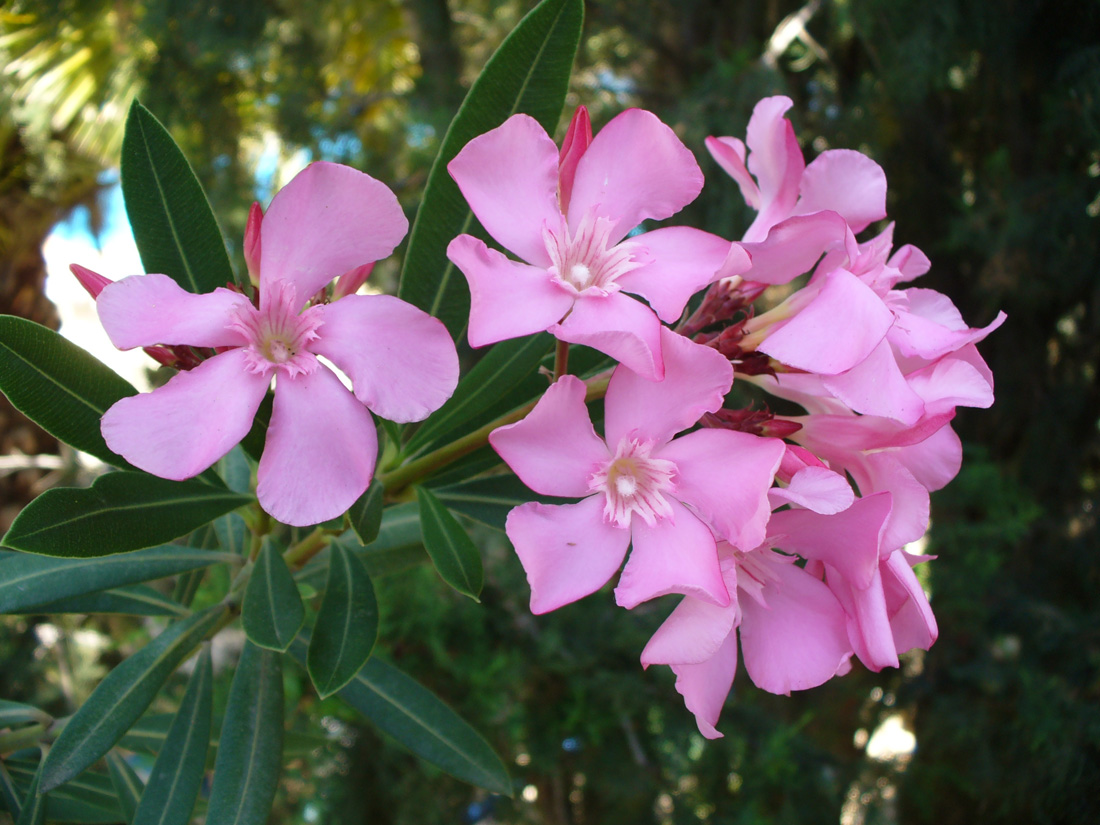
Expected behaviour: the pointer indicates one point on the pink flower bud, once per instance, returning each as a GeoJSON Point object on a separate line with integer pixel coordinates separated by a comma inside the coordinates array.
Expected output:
{"type": "Point", "coordinates": [576, 143]}
{"type": "Point", "coordinates": [349, 282]}
{"type": "Point", "coordinates": [93, 282]}
{"type": "Point", "coordinates": [252, 242]}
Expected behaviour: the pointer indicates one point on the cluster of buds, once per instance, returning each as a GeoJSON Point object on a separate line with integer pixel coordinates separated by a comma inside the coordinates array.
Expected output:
{"type": "Point", "coordinates": [749, 515]}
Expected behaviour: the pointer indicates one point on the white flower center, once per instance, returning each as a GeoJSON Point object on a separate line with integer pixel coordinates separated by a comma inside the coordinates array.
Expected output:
{"type": "Point", "coordinates": [585, 260]}
{"type": "Point", "coordinates": [634, 482]}
{"type": "Point", "coordinates": [278, 335]}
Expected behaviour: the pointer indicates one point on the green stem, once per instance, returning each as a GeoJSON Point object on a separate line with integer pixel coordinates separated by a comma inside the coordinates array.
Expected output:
{"type": "Point", "coordinates": [307, 548]}
{"type": "Point", "coordinates": [398, 479]}
{"type": "Point", "coordinates": [22, 738]}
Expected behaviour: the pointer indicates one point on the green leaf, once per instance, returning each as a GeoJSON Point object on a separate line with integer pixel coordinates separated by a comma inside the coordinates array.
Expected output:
{"type": "Point", "coordinates": [419, 720]}
{"type": "Point", "coordinates": [59, 386]}
{"type": "Point", "coordinates": [508, 367]}
{"type": "Point", "coordinates": [347, 623]}
{"type": "Point", "coordinates": [9, 793]}
{"type": "Point", "coordinates": [122, 697]}
{"type": "Point", "coordinates": [16, 713]}
{"type": "Point", "coordinates": [528, 73]}
{"type": "Point", "coordinates": [453, 553]}
{"type": "Point", "coordinates": [135, 600]}
{"type": "Point", "coordinates": [34, 805]}
{"type": "Point", "coordinates": [149, 733]}
{"type": "Point", "coordinates": [28, 580]}
{"type": "Point", "coordinates": [177, 774]}
{"type": "Point", "coordinates": [489, 499]}
{"type": "Point", "coordinates": [366, 513]}
{"type": "Point", "coordinates": [236, 470]}
{"type": "Point", "coordinates": [174, 227]}
{"type": "Point", "coordinates": [90, 798]}
{"type": "Point", "coordinates": [121, 511]}
{"type": "Point", "coordinates": [128, 787]}
{"type": "Point", "coordinates": [232, 534]}
{"type": "Point", "coordinates": [246, 772]}
{"type": "Point", "coordinates": [273, 611]}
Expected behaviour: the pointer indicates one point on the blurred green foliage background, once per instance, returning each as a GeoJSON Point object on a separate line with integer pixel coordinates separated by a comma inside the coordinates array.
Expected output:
{"type": "Point", "coordinates": [986, 119]}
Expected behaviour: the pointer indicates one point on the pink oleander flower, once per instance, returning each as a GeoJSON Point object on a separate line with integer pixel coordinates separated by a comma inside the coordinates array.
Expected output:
{"type": "Point", "coordinates": [568, 217]}
{"type": "Point", "coordinates": [638, 486]}
{"type": "Point", "coordinates": [794, 630]}
{"type": "Point", "coordinates": [321, 444]}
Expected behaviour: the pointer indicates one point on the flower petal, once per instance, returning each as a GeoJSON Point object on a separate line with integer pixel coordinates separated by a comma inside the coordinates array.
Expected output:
{"type": "Point", "coordinates": [815, 488]}
{"type": "Point", "coordinates": [875, 386]}
{"type": "Point", "coordinates": [725, 476]}
{"type": "Point", "coordinates": [684, 260]}
{"type": "Point", "coordinates": [706, 685]}
{"type": "Point", "coordinates": [568, 551]}
{"type": "Point", "coordinates": [618, 326]}
{"type": "Point", "coordinates": [776, 161]}
{"type": "Point", "coordinates": [145, 310]}
{"type": "Point", "coordinates": [800, 640]}
{"type": "Point", "coordinates": [401, 361]}
{"type": "Point", "coordinates": [676, 555]}
{"type": "Point", "coordinates": [696, 380]}
{"type": "Point", "coordinates": [911, 616]}
{"type": "Point", "coordinates": [554, 450]}
{"type": "Point", "coordinates": [328, 220]}
{"type": "Point", "coordinates": [792, 247]}
{"type": "Point", "coordinates": [507, 299]}
{"type": "Point", "coordinates": [320, 451]}
{"type": "Point", "coordinates": [509, 176]}
{"type": "Point", "coordinates": [692, 633]}
{"type": "Point", "coordinates": [178, 430]}
{"type": "Point", "coordinates": [635, 169]}
{"type": "Point", "coordinates": [847, 182]}
{"type": "Point", "coordinates": [729, 153]}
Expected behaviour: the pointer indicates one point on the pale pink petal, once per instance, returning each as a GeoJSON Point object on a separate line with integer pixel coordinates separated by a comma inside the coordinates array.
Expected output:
{"type": "Point", "coordinates": [951, 382]}
{"type": "Point", "coordinates": [847, 182]}
{"type": "Point", "coordinates": [577, 140]}
{"type": "Point", "coordinates": [568, 551]}
{"type": "Point", "coordinates": [725, 476]}
{"type": "Point", "coordinates": [705, 686]}
{"type": "Point", "coordinates": [554, 450]}
{"type": "Point", "coordinates": [178, 430]}
{"type": "Point", "coordinates": [320, 450]}
{"type": "Point", "coordinates": [869, 628]}
{"type": "Point", "coordinates": [776, 160]}
{"type": "Point", "coordinates": [911, 616]}
{"type": "Point", "coordinates": [636, 169]}
{"type": "Point", "coordinates": [838, 328]}
{"type": "Point", "coordinates": [684, 260]}
{"type": "Point", "coordinates": [675, 555]}
{"type": "Point", "coordinates": [848, 541]}
{"type": "Point", "coordinates": [800, 640]}
{"type": "Point", "coordinates": [509, 176]}
{"type": "Point", "coordinates": [329, 219]}
{"type": "Point", "coordinates": [144, 310]}
{"type": "Point", "coordinates": [693, 633]}
{"type": "Point", "coordinates": [792, 247]}
{"type": "Point", "coordinates": [910, 262]}
{"type": "Point", "coordinates": [911, 505]}
{"type": "Point", "coordinates": [815, 488]}
{"type": "Point", "coordinates": [618, 326]}
{"type": "Point", "coordinates": [729, 153]}
{"type": "Point", "coordinates": [697, 379]}
{"type": "Point", "coordinates": [401, 361]}
{"type": "Point", "coordinates": [934, 461]}
{"type": "Point", "coordinates": [875, 386]}
{"type": "Point", "coordinates": [507, 299]}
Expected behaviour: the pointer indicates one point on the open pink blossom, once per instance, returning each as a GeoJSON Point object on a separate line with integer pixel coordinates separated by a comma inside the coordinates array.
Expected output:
{"type": "Point", "coordinates": [567, 216]}
{"type": "Point", "coordinates": [321, 443]}
{"type": "Point", "coordinates": [639, 485]}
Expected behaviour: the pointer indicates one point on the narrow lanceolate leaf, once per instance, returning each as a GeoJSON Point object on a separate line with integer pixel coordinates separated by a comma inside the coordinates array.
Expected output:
{"type": "Point", "coordinates": [347, 623]}
{"type": "Point", "coordinates": [122, 697]}
{"type": "Point", "coordinates": [16, 713]}
{"type": "Point", "coordinates": [177, 774]}
{"type": "Point", "coordinates": [419, 720]}
{"type": "Point", "coordinates": [366, 514]}
{"type": "Point", "coordinates": [9, 794]}
{"type": "Point", "coordinates": [508, 366]}
{"type": "Point", "coordinates": [28, 580]}
{"type": "Point", "coordinates": [59, 386]}
{"type": "Point", "coordinates": [87, 800]}
{"type": "Point", "coordinates": [453, 553]}
{"type": "Point", "coordinates": [135, 600]}
{"type": "Point", "coordinates": [174, 227]}
{"type": "Point", "coordinates": [273, 611]}
{"type": "Point", "coordinates": [489, 499]}
{"type": "Point", "coordinates": [121, 511]}
{"type": "Point", "coordinates": [149, 733]}
{"type": "Point", "coordinates": [250, 752]}
{"type": "Point", "coordinates": [34, 805]}
{"type": "Point", "coordinates": [128, 787]}
{"type": "Point", "coordinates": [528, 73]}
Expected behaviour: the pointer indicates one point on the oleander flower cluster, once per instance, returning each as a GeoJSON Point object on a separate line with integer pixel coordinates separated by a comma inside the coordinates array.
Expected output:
{"type": "Point", "coordinates": [748, 515]}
